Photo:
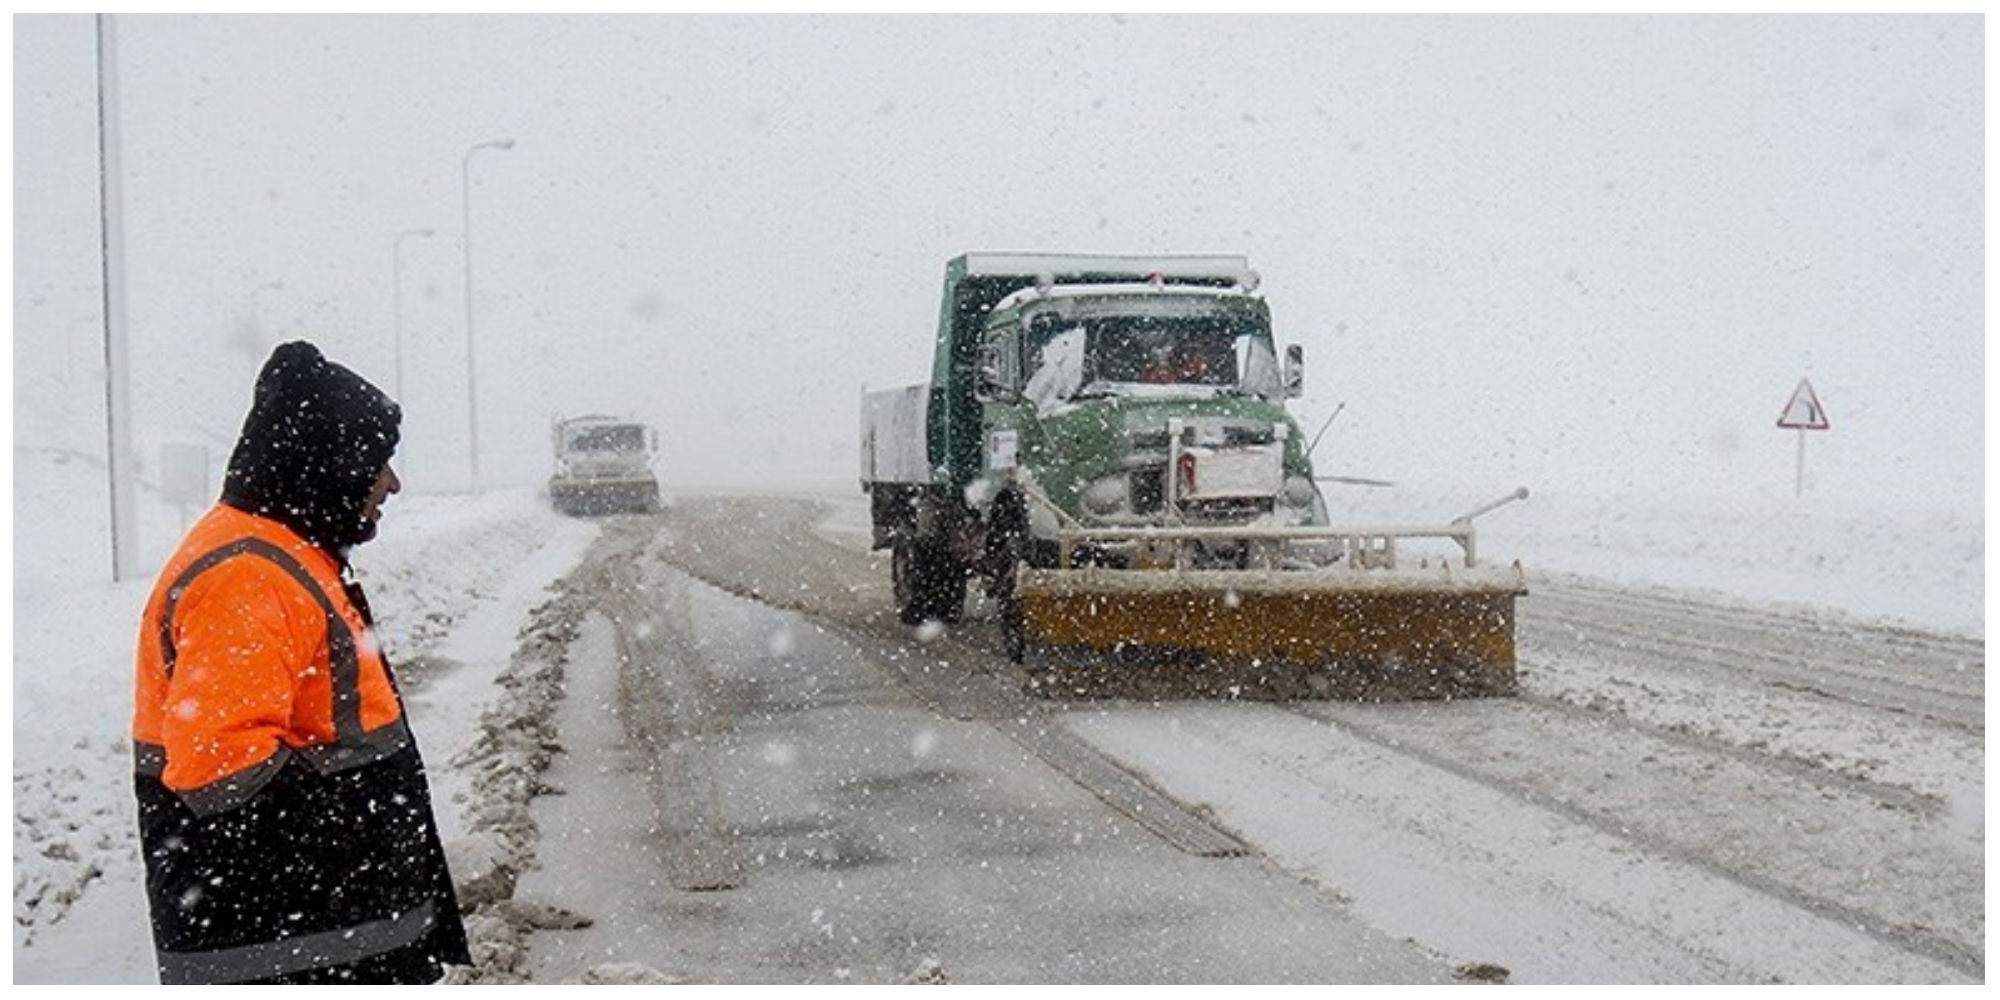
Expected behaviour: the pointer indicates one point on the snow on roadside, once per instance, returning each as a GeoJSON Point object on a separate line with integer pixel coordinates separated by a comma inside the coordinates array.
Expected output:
{"type": "Point", "coordinates": [75, 844]}
{"type": "Point", "coordinates": [451, 585]}
{"type": "Point", "coordinates": [514, 744]}
{"type": "Point", "coordinates": [1919, 562]}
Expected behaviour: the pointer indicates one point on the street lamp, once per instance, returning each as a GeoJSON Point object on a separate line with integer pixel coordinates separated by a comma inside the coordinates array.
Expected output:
{"type": "Point", "coordinates": [471, 366]}
{"type": "Point", "coordinates": [396, 256]}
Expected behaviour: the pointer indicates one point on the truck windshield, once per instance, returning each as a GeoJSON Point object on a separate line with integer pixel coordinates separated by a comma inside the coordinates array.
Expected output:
{"type": "Point", "coordinates": [1182, 347]}
{"type": "Point", "coordinates": [625, 437]}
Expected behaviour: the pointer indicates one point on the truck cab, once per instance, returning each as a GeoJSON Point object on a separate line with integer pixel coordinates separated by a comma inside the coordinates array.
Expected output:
{"type": "Point", "coordinates": [1128, 405]}
{"type": "Point", "coordinates": [1064, 389]}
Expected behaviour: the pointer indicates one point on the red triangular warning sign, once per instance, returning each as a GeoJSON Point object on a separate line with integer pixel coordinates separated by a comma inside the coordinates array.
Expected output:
{"type": "Point", "coordinates": [1804, 411]}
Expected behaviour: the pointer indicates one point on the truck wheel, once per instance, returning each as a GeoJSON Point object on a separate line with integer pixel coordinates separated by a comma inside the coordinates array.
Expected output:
{"type": "Point", "coordinates": [1013, 628]}
{"type": "Point", "coordinates": [1004, 562]}
{"type": "Point", "coordinates": [929, 583]}
{"type": "Point", "coordinates": [947, 587]}
{"type": "Point", "coordinates": [902, 574]}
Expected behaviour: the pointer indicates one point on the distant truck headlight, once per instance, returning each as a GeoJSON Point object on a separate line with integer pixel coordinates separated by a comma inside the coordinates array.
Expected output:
{"type": "Point", "coordinates": [1107, 496]}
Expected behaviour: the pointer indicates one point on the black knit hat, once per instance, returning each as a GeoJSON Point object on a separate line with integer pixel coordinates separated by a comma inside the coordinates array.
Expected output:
{"type": "Point", "coordinates": [316, 438]}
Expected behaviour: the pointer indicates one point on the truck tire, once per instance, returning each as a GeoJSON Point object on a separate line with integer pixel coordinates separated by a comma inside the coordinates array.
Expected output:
{"type": "Point", "coordinates": [929, 583]}
{"type": "Point", "coordinates": [947, 587]}
{"type": "Point", "coordinates": [1006, 547]}
{"type": "Point", "coordinates": [902, 575]}
{"type": "Point", "coordinates": [1013, 629]}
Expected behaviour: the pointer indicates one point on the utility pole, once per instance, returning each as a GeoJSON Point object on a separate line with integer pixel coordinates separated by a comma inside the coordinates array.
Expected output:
{"type": "Point", "coordinates": [471, 342]}
{"type": "Point", "coordinates": [111, 245]}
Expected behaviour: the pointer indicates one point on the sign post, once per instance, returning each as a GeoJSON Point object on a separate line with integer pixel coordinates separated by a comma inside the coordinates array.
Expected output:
{"type": "Point", "coordinates": [1803, 413]}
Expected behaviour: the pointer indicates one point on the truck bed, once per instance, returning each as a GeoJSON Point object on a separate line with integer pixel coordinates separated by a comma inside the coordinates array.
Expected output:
{"type": "Point", "coordinates": [893, 436]}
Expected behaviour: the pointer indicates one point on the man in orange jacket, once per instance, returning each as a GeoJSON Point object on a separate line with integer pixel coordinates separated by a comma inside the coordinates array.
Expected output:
{"type": "Point", "coordinates": [283, 809]}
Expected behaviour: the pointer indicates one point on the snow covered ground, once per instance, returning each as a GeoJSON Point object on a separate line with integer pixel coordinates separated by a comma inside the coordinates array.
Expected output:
{"type": "Point", "coordinates": [453, 579]}
{"type": "Point", "coordinates": [1919, 561]}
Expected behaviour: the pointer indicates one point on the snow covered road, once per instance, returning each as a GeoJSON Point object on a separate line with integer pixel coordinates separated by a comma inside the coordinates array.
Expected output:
{"type": "Point", "coordinates": [698, 747]}
{"type": "Point", "coordinates": [746, 796]}
{"type": "Point", "coordinates": [1685, 792]}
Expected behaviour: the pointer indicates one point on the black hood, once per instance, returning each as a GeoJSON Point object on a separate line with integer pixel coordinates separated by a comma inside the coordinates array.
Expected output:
{"type": "Point", "coordinates": [316, 438]}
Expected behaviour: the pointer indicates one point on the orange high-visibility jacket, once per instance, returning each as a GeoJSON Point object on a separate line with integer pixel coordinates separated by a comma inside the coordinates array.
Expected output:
{"type": "Point", "coordinates": [252, 653]}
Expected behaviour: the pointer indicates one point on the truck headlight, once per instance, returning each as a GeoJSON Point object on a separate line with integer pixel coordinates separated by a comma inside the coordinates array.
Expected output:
{"type": "Point", "coordinates": [1106, 496]}
{"type": "Point", "coordinates": [1298, 492]}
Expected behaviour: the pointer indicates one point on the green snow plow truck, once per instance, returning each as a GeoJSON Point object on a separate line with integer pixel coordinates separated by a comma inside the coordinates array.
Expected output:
{"type": "Point", "coordinates": [1104, 443]}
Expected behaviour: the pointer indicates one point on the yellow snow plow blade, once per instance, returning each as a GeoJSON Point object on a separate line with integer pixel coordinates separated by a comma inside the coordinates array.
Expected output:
{"type": "Point", "coordinates": [1358, 626]}
{"type": "Point", "coordinates": [1352, 638]}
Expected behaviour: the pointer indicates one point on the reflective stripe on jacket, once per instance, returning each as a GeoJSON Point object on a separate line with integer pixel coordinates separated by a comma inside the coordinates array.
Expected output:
{"type": "Point", "coordinates": [252, 652]}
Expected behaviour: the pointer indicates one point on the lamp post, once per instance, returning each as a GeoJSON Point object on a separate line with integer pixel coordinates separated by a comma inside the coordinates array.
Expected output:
{"type": "Point", "coordinates": [471, 365]}
{"type": "Point", "coordinates": [120, 463]}
{"type": "Point", "coordinates": [396, 257]}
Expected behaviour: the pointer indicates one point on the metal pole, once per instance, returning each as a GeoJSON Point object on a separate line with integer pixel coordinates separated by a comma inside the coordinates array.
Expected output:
{"type": "Point", "coordinates": [1314, 446]}
{"type": "Point", "coordinates": [1799, 477]}
{"type": "Point", "coordinates": [117, 384]}
{"type": "Point", "coordinates": [396, 279]}
{"type": "Point", "coordinates": [471, 364]}
{"type": "Point", "coordinates": [471, 361]}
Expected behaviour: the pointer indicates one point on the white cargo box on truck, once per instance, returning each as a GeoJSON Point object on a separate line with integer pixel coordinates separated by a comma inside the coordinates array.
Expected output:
{"type": "Point", "coordinates": [893, 435]}
{"type": "Point", "coordinates": [1180, 265]}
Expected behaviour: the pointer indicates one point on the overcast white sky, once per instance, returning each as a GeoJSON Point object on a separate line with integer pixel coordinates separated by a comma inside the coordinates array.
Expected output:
{"type": "Point", "coordinates": [1592, 252]}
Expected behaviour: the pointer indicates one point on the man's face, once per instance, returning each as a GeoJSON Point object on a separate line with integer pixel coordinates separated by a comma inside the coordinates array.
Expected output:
{"type": "Point", "coordinates": [385, 484]}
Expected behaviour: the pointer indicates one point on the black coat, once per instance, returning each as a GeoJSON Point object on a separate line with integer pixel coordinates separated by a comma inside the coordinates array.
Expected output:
{"type": "Point", "coordinates": [275, 890]}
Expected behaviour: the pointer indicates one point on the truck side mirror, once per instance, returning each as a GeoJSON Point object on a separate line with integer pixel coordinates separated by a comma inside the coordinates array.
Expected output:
{"type": "Point", "coordinates": [1295, 371]}
{"type": "Point", "coordinates": [989, 385]}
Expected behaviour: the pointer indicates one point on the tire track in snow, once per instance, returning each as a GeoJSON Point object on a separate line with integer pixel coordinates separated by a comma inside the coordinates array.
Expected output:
{"type": "Point", "coordinates": [1933, 677]}
{"type": "Point", "coordinates": [1479, 866]}
{"type": "Point", "coordinates": [1701, 834]}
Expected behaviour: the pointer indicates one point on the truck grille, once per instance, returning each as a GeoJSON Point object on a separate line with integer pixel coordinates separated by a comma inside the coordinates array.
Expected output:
{"type": "Point", "coordinates": [1149, 489]}
{"type": "Point", "coordinates": [1229, 510]}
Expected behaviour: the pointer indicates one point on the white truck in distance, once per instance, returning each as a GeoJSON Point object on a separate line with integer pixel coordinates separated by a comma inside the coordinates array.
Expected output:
{"type": "Point", "coordinates": [604, 465]}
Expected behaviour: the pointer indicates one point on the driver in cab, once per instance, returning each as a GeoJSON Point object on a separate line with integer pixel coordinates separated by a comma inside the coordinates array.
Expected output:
{"type": "Point", "coordinates": [1165, 366]}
